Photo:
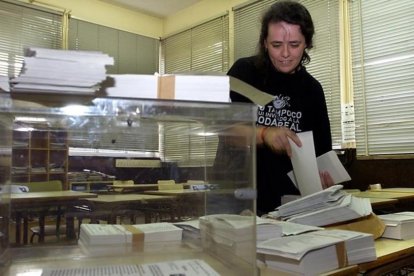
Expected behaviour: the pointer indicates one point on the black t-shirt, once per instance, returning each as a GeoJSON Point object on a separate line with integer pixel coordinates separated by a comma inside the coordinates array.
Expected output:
{"type": "Point", "coordinates": [299, 104]}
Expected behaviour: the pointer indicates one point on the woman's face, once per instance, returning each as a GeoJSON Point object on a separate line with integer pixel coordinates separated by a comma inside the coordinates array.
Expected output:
{"type": "Point", "coordinates": [285, 45]}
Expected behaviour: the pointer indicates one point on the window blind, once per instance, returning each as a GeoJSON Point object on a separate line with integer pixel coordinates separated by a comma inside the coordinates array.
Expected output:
{"type": "Point", "coordinates": [325, 64]}
{"type": "Point", "coordinates": [187, 144]}
{"type": "Point", "coordinates": [203, 48]}
{"type": "Point", "coordinates": [383, 76]}
{"type": "Point", "coordinates": [24, 26]}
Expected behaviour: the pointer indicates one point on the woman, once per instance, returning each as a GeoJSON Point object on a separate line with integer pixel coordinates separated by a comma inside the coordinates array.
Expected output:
{"type": "Point", "coordinates": [299, 102]}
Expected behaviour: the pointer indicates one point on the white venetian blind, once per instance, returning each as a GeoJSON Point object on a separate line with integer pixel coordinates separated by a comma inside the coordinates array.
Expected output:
{"type": "Point", "coordinates": [25, 26]}
{"type": "Point", "coordinates": [187, 144]}
{"type": "Point", "coordinates": [325, 64]}
{"type": "Point", "coordinates": [203, 48]}
{"type": "Point", "coordinates": [383, 75]}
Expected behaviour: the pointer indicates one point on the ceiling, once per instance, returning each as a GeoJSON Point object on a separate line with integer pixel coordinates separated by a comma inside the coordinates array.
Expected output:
{"type": "Point", "coordinates": [159, 8]}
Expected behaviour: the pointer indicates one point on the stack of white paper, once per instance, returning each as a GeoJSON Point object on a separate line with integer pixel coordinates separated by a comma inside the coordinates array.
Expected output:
{"type": "Point", "coordinates": [304, 254]}
{"type": "Point", "coordinates": [399, 225]}
{"type": "Point", "coordinates": [323, 208]}
{"type": "Point", "coordinates": [268, 229]}
{"type": "Point", "coordinates": [4, 84]}
{"type": "Point", "coordinates": [323, 199]}
{"type": "Point", "coordinates": [133, 86]}
{"type": "Point", "coordinates": [106, 234]}
{"type": "Point", "coordinates": [206, 88]}
{"type": "Point", "coordinates": [360, 247]}
{"type": "Point", "coordinates": [202, 88]}
{"type": "Point", "coordinates": [191, 231]}
{"type": "Point", "coordinates": [61, 71]}
{"type": "Point", "coordinates": [317, 252]}
{"type": "Point", "coordinates": [229, 234]}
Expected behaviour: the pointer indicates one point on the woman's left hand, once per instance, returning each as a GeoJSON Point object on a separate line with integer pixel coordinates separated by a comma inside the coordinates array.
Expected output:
{"type": "Point", "coordinates": [326, 179]}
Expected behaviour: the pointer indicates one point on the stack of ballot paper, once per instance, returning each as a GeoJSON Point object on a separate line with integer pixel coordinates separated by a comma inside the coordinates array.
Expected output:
{"type": "Point", "coordinates": [4, 84]}
{"type": "Point", "coordinates": [326, 207]}
{"type": "Point", "coordinates": [229, 235]}
{"type": "Point", "coordinates": [316, 252]}
{"type": "Point", "coordinates": [61, 71]}
{"type": "Point", "coordinates": [399, 225]}
{"type": "Point", "coordinates": [206, 88]}
{"type": "Point", "coordinates": [109, 234]}
{"type": "Point", "coordinates": [191, 231]}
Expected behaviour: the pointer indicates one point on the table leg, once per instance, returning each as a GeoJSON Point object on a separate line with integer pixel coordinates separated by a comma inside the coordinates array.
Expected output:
{"type": "Point", "coordinates": [25, 229]}
{"type": "Point", "coordinates": [70, 228]}
{"type": "Point", "coordinates": [18, 228]}
{"type": "Point", "coordinates": [42, 228]}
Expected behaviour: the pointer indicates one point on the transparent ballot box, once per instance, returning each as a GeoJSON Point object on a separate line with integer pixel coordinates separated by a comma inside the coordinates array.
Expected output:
{"type": "Point", "coordinates": [122, 185]}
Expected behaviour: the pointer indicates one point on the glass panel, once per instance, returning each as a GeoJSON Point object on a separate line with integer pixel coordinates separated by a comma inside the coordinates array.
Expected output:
{"type": "Point", "coordinates": [102, 185]}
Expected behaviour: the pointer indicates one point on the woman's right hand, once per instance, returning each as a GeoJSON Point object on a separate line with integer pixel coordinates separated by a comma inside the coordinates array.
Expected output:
{"type": "Point", "coordinates": [276, 138]}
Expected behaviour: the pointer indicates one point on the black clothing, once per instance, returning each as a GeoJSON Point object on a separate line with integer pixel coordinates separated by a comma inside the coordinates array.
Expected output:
{"type": "Point", "coordinates": [299, 105]}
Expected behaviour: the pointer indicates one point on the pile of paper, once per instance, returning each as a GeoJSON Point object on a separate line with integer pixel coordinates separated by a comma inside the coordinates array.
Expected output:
{"type": "Point", "coordinates": [229, 235]}
{"type": "Point", "coordinates": [110, 234]}
{"type": "Point", "coordinates": [61, 71]}
{"type": "Point", "coordinates": [191, 231]}
{"type": "Point", "coordinates": [206, 88]}
{"type": "Point", "coordinates": [326, 207]}
{"type": "Point", "coordinates": [4, 84]}
{"type": "Point", "coordinates": [316, 252]}
{"type": "Point", "coordinates": [399, 225]}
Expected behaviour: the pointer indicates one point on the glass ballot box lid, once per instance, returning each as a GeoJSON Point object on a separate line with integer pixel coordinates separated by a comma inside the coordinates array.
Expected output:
{"type": "Point", "coordinates": [144, 187]}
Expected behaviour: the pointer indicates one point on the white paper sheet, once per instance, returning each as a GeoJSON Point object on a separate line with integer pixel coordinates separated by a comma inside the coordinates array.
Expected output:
{"type": "Point", "coordinates": [305, 166]}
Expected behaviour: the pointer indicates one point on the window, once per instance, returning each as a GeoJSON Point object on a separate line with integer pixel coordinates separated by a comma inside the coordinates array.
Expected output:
{"type": "Point", "coordinates": [383, 75]}
{"type": "Point", "coordinates": [203, 48]}
{"type": "Point", "coordinates": [325, 64]}
{"type": "Point", "coordinates": [21, 27]}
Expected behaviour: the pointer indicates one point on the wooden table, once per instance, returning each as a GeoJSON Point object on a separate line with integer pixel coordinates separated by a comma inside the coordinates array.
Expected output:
{"type": "Point", "coordinates": [396, 190]}
{"type": "Point", "coordinates": [120, 198]}
{"type": "Point", "coordinates": [391, 255]}
{"type": "Point", "coordinates": [132, 203]}
{"type": "Point", "coordinates": [25, 202]}
{"type": "Point", "coordinates": [124, 188]}
{"type": "Point", "coordinates": [382, 202]}
{"type": "Point", "coordinates": [386, 194]}
{"type": "Point", "coordinates": [190, 203]}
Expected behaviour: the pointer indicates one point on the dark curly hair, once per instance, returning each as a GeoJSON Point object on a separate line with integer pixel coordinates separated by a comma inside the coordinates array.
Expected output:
{"type": "Point", "coordinates": [290, 12]}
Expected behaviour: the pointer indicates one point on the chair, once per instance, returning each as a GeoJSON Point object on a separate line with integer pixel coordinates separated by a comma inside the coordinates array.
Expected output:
{"type": "Point", "coordinates": [49, 230]}
{"type": "Point", "coordinates": [82, 210]}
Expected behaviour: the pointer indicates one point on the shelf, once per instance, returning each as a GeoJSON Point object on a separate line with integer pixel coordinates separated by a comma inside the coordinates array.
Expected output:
{"type": "Point", "coordinates": [39, 154]}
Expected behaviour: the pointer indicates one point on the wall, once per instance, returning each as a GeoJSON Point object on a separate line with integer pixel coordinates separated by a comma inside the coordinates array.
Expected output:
{"type": "Point", "coordinates": [108, 15]}
{"type": "Point", "coordinates": [388, 172]}
{"type": "Point", "coordinates": [203, 10]}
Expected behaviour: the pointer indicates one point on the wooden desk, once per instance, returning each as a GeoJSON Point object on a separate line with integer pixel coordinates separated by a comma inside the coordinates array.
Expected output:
{"type": "Point", "coordinates": [125, 198]}
{"type": "Point", "coordinates": [24, 202]}
{"type": "Point", "coordinates": [128, 203]}
{"type": "Point", "coordinates": [136, 187]}
{"type": "Point", "coordinates": [175, 192]}
{"type": "Point", "coordinates": [397, 190]}
{"type": "Point", "coordinates": [382, 202]}
{"type": "Point", "coordinates": [386, 194]}
{"type": "Point", "coordinates": [190, 203]}
{"type": "Point", "coordinates": [391, 256]}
